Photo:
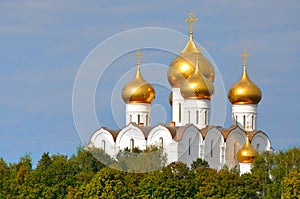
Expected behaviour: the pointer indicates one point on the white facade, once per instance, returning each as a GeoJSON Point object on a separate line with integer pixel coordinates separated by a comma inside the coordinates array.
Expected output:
{"type": "Point", "coordinates": [138, 113]}
{"type": "Point", "coordinates": [245, 116]}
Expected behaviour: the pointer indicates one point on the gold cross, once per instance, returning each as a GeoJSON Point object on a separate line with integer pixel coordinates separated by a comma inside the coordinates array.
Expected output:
{"type": "Point", "coordinates": [191, 20]}
{"type": "Point", "coordinates": [245, 55]}
{"type": "Point", "coordinates": [138, 56]}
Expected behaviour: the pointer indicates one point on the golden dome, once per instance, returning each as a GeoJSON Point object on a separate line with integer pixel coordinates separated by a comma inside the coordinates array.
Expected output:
{"type": "Point", "coordinates": [247, 153]}
{"type": "Point", "coordinates": [244, 91]}
{"type": "Point", "coordinates": [197, 86]}
{"type": "Point", "coordinates": [138, 90]}
{"type": "Point", "coordinates": [183, 66]}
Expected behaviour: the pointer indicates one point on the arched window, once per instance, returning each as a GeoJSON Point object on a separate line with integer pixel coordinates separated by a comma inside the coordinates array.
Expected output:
{"type": "Point", "coordinates": [103, 145]}
{"type": "Point", "coordinates": [146, 120]}
{"type": "Point", "coordinates": [206, 117]}
{"type": "Point", "coordinates": [131, 144]}
{"type": "Point", "coordinates": [234, 150]}
{"type": "Point", "coordinates": [161, 142]}
{"type": "Point", "coordinates": [244, 121]}
{"type": "Point", "coordinates": [130, 117]}
{"type": "Point", "coordinates": [257, 147]}
{"type": "Point", "coordinates": [179, 112]}
{"type": "Point", "coordinates": [197, 117]}
{"type": "Point", "coordinates": [190, 142]}
{"type": "Point", "coordinates": [189, 116]}
{"type": "Point", "coordinates": [139, 119]}
{"type": "Point", "coordinates": [211, 148]}
{"type": "Point", "coordinates": [253, 122]}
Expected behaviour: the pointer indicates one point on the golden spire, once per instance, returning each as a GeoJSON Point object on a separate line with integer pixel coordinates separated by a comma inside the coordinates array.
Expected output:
{"type": "Point", "coordinates": [191, 20]}
{"type": "Point", "coordinates": [138, 90]}
{"type": "Point", "coordinates": [138, 55]}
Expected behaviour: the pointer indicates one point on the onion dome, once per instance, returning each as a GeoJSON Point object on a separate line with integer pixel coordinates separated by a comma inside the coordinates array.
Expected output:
{"type": "Point", "coordinates": [247, 153]}
{"type": "Point", "coordinates": [183, 66]}
{"type": "Point", "coordinates": [244, 91]}
{"type": "Point", "coordinates": [197, 86]}
{"type": "Point", "coordinates": [138, 90]}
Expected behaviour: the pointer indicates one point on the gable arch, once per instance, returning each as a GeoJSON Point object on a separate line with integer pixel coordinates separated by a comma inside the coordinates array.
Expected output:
{"type": "Point", "coordinates": [261, 142]}
{"type": "Point", "coordinates": [129, 133]}
{"type": "Point", "coordinates": [103, 139]}
{"type": "Point", "coordinates": [234, 141]}
{"type": "Point", "coordinates": [158, 134]}
{"type": "Point", "coordinates": [213, 148]}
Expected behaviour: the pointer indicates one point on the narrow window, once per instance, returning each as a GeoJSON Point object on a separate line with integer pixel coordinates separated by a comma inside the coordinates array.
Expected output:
{"type": "Point", "coordinates": [179, 109]}
{"type": "Point", "coordinates": [236, 120]}
{"type": "Point", "coordinates": [244, 121]}
{"type": "Point", "coordinates": [190, 140]}
{"type": "Point", "coordinates": [234, 150]}
{"type": "Point", "coordinates": [205, 117]}
{"type": "Point", "coordinates": [131, 144]}
{"type": "Point", "coordinates": [130, 117]}
{"type": "Point", "coordinates": [197, 117]}
{"type": "Point", "coordinates": [253, 122]}
{"type": "Point", "coordinates": [257, 147]}
{"type": "Point", "coordinates": [211, 148]}
{"type": "Point", "coordinates": [189, 116]}
{"type": "Point", "coordinates": [147, 120]}
{"type": "Point", "coordinates": [103, 145]}
{"type": "Point", "coordinates": [139, 118]}
{"type": "Point", "coordinates": [161, 142]}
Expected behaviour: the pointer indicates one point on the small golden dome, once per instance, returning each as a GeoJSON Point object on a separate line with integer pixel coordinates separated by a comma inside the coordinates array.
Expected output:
{"type": "Point", "coordinates": [197, 86]}
{"type": "Point", "coordinates": [138, 90]}
{"type": "Point", "coordinates": [247, 153]}
{"type": "Point", "coordinates": [183, 66]}
{"type": "Point", "coordinates": [244, 91]}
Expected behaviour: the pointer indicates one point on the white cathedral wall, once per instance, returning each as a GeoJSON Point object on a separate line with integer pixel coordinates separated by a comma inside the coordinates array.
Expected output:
{"type": "Point", "coordinates": [129, 133]}
{"type": "Point", "coordinates": [102, 139]}
{"type": "Point", "coordinates": [161, 135]}
{"type": "Point", "coordinates": [235, 140]}
{"type": "Point", "coordinates": [188, 146]}
{"type": "Point", "coordinates": [261, 143]}
{"type": "Point", "coordinates": [213, 145]}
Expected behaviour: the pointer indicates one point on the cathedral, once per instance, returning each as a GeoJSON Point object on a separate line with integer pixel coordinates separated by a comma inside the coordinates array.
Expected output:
{"type": "Point", "coordinates": [190, 135]}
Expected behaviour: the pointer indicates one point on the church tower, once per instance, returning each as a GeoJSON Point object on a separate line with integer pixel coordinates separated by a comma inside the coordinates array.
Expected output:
{"type": "Point", "coordinates": [244, 97]}
{"type": "Point", "coordinates": [138, 95]}
{"type": "Point", "coordinates": [181, 69]}
{"type": "Point", "coordinates": [197, 91]}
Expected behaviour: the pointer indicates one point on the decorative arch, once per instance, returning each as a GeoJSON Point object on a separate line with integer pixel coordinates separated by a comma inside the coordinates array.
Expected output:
{"type": "Point", "coordinates": [129, 132]}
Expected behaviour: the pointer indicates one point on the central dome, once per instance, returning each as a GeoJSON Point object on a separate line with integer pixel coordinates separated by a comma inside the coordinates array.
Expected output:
{"type": "Point", "coordinates": [197, 86]}
{"type": "Point", "coordinates": [183, 66]}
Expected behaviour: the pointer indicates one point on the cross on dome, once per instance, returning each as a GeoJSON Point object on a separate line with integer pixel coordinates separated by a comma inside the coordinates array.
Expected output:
{"type": "Point", "coordinates": [245, 55]}
{"type": "Point", "coordinates": [191, 20]}
{"type": "Point", "coordinates": [138, 55]}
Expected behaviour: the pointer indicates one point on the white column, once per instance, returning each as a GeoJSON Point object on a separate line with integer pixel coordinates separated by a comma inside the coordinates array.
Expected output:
{"type": "Point", "coordinates": [177, 106]}
{"type": "Point", "coordinates": [245, 116]}
{"type": "Point", "coordinates": [138, 113]}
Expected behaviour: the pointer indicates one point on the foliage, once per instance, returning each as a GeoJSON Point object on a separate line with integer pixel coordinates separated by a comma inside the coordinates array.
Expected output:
{"type": "Point", "coordinates": [274, 175]}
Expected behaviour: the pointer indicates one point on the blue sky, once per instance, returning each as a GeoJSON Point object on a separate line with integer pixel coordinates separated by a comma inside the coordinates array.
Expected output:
{"type": "Point", "coordinates": [43, 44]}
